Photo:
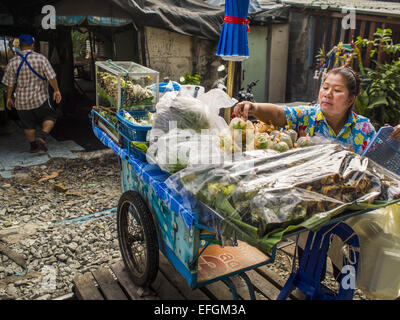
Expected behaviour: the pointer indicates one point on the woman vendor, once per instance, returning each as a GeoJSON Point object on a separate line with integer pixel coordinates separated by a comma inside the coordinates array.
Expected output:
{"type": "Point", "coordinates": [332, 117]}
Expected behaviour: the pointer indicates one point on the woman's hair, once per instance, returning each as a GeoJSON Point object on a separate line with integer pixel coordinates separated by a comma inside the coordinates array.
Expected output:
{"type": "Point", "coordinates": [351, 79]}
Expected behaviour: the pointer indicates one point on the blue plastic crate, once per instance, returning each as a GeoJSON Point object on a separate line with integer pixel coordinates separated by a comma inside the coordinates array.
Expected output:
{"type": "Point", "coordinates": [384, 150]}
{"type": "Point", "coordinates": [131, 131]}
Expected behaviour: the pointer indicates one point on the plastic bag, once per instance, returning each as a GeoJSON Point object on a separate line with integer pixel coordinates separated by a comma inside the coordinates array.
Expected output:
{"type": "Point", "coordinates": [217, 99]}
{"type": "Point", "coordinates": [164, 87]}
{"type": "Point", "coordinates": [182, 112]}
{"type": "Point", "coordinates": [179, 149]}
{"type": "Point", "coordinates": [184, 132]}
{"type": "Point", "coordinates": [378, 231]}
{"type": "Point", "coordinates": [265, 196]}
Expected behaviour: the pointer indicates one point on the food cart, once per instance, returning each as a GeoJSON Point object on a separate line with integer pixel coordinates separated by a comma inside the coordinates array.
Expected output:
{"type": "Point", "coordinates": [153, 217]}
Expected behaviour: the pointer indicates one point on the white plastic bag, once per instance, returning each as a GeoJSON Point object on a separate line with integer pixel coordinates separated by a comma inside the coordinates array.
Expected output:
{"type": "Point", "coordinates": [378, 231]}
{"type": "Point", "coordinates": [179, 149]}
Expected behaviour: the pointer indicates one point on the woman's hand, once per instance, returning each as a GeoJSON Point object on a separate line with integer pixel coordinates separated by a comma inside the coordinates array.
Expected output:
{"type": "Point", "coordinates": [245, 109]}
{"type": "Point", "coordinates": [396, 132]}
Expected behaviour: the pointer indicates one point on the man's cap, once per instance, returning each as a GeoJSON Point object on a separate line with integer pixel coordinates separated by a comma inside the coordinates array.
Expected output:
{"type": "Point", "coordinates": [25, 39]}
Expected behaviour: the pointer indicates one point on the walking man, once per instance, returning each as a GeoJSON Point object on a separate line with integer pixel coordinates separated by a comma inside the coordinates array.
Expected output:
{"type": "Point", "coordinates": [31, 72]}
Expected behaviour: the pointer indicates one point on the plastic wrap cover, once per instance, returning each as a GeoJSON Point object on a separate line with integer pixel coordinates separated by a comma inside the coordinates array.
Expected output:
{"type": "Point", "coordinates": [259, 199]}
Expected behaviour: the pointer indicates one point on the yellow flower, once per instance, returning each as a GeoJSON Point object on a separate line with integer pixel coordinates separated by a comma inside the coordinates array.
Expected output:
{"type": "Point", "coordinates": [319, 116]}
{"type": "Point", "coordinates": [298, 111]}
{"type": "Point", "coordinates": [346, 133]}
{"type": "Point", "coordinates": [359, 139]}
{"type": "Point", "coordinates": [306, 121]}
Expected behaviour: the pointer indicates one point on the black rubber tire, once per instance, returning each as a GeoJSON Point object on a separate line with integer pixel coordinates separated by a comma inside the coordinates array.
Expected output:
{"type": "Point", "coordinates": [133, 211]}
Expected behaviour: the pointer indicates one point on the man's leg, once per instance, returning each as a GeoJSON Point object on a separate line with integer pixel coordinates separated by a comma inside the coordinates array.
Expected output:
{"type": "Point", "coordinates": [47, 126]}
{"type": "Point", "coordinates": [30, 135]}
{"type": "Point", "coordinates": [27, 118]}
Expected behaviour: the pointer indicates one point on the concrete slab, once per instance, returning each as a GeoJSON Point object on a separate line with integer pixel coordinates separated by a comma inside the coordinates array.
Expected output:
{"type": "Point", "coordinates": [14, 151]}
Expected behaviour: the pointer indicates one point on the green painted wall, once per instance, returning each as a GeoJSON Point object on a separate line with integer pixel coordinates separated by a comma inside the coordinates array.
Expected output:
{"type": "Point", "coordinates": [255, 67]}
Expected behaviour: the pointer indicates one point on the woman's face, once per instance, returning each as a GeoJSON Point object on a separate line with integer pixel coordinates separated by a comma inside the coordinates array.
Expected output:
{"type": "Point", "coordinates": [334, 96]}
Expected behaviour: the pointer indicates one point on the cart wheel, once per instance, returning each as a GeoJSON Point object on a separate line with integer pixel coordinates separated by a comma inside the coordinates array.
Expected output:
{"type": "Point", "coordinates": [137, 238]}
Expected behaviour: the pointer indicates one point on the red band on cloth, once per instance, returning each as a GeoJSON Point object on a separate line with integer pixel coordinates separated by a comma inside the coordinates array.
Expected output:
{"type": "Point", "coordinates": [237, 20]}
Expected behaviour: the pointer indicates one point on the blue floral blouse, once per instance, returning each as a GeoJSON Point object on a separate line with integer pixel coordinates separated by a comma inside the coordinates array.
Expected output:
{"type": "Point", "coordinates": [356, 134]}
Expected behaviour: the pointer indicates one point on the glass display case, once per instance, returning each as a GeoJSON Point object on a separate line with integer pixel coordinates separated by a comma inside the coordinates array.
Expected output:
{"type": "Point", "coordinates": [126, 85]}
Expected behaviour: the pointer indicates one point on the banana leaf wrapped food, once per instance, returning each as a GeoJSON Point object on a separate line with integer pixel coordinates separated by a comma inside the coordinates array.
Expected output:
{"type": "Point", "coordinates": [259, 199]}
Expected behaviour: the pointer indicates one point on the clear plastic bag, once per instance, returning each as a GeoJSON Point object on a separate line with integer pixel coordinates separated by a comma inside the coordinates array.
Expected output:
{"type": "Point", "coordinates": [378, 231]}
{"type": "Point", "coordinates": [262, 196]}
{"type": "Point", "coordinates": [184, 132]}
{"type": "Point", "coordinates": [183, 112]}
{"type": "Point", "coordinates": [179, 149]}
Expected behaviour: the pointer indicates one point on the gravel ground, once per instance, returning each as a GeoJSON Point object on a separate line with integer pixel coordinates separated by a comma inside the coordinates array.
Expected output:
{"type": "Point", "coordinates": [34, 222]}
{"type": "Point", "coordinates": [30, 218]}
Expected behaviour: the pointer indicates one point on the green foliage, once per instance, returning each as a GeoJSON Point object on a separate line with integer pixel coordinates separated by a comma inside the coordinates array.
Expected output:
{"type": "Point", "coordinates": [380, 97]}
{"type": "Point", "coordinates": [79, 43]}
{"type": "Point", "coordinates": [191, 79]}
{"type": "Point", "coordinates": [383, 39]}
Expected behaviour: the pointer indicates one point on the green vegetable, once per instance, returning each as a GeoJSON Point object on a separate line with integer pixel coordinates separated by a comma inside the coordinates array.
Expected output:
{"type": "Point", "coordinates": [280, 146]}
{"type": "Point", "coordinates": [140, 145]}
{"type": "Point", "coordinates": [237, 124]}
{"type": "Point", "coordinates": [292, 133]}
{"type": "Point", "coordinates": [305, 141]}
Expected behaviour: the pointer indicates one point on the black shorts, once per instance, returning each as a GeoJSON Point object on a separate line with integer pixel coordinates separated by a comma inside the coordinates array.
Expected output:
{"type": "Point", "coordinates": [30, 119]}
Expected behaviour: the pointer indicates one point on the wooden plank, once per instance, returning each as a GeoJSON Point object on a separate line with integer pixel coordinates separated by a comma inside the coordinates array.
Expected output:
{"type": "Point", "coordinates": [126, 282]}
{"type": "Point", "coordinates": [164, 289]}
{"type": "Point", "coordinates": [241, 287]}
{"type": "Point", "coordinates": [85, 288]}
{"type": "Point", "coordinates": [277, 281]}
{"type": "Point", "coordinates": [108, 285]}
{"type": "Point", "coordinates": [362, 28]}
{"type": "Point", "coordinates": [351, 35]}
{"type": "Point", "coordinates": [16, 257]}
{"type": "Point", "coordinates": [326, 21]}
{"type": "Point", "coordinates": [316, 36]}
{"type": "Point", "coordinates": [369, 48]}
{"type": "Point", "coordinates": [216, 262]}
{"type": "Point", "coordinates": [217, 290]}
{"type": "Point", "coordinates": [342, 34]}
{"type": "Point", "coordinates": [380, 51]}
{"type": "Point", "coordinates": [332, 40]}
{"type": "Point", "coordinates": [269, 290]}
{"type": "Point", "coordinates": [176, 278]}
{"type": "Point", "coordinates": [394, 20]}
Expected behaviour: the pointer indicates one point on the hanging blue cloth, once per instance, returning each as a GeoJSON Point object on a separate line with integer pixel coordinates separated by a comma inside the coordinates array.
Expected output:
{"type": "Point", "coordinates": [233, 44]}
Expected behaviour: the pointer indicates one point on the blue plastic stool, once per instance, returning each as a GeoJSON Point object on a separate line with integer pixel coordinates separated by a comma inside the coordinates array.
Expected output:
{"type": "Point", "coordinates": [307, 277]}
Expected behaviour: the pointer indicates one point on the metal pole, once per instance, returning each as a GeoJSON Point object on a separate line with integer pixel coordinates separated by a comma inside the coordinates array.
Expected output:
{"type": "Point", "coordinates": [229, 88]}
